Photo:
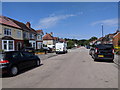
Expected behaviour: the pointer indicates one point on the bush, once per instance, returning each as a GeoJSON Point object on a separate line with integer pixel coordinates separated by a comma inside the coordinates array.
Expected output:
{"type": "Point", "coordinates": [40, 50]}
{"type": "Point", "coordinates": [1, 50]}
{"type": "Point", "coordinates": [117, 50]}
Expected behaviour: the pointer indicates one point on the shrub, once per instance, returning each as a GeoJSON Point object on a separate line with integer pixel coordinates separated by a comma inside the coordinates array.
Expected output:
{"type": "Point", "coordinates": [40, 50]}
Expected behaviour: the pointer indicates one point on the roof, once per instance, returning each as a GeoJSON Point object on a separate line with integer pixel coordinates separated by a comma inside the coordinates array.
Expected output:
{"type": "Point", "coordinates": [8, 21]}
{"type": "Point", "coordinates": [62, 40]}
{"type": "Point", "coordinates": [48, 37]}
{"type": "Point", "coordinates": [100, 39]}
{"type": "Point", "coordinates": [39, 31]}
{"type": "Point", "coordinates": [14, 23]}
{"type": "Point", "coordinates": [118, 33]}
{"type": "Point", "coordinates": [55, 38]}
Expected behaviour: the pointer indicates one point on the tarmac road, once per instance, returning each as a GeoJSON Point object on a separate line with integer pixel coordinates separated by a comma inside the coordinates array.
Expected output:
{"type": "Point", "coordinates": [76, 69]}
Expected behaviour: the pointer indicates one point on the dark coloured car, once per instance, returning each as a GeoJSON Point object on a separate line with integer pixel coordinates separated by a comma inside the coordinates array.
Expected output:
{"type": "Point", "coordinates": [29, 49]}
{"type": "Point", "coordinates": [14, 61]}
{"type": "Point", "coordinates": [87, 47]}
{"type": "Point", "coordinates": [102, 52]}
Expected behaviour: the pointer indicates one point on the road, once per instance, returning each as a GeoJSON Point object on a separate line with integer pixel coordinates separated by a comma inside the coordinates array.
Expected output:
{"type": "Point", "coordinates": [76, 69]}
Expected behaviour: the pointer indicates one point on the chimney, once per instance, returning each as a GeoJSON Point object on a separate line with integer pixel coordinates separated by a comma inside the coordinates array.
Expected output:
{"type": "Point", "coordinates": [51, 33]}
{"type": "Point", "coordinates": [28, 24]}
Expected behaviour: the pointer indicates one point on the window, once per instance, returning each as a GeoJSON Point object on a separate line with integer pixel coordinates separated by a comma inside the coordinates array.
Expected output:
{"type": "Point", "coordinates": [5, 45]}
{"type": "Point", "coordinates": [26, 54]}
{"type": "Point", "coordinates": [39, 37]}
{"type": "Point", "coordinates": [26, 35]}
{"type": "Point", "coordinates": [18, 34]}
{"type": "Point", "coordinates": [7, 31]}
{"type": "Point", "coordinates": [16, 55]}
{"type": "Point", "coordinates": [31, 36]}
{"type": "Point", "coordinates": [33, 45]}
{"type": "Point", "coordinates": [8, 45]}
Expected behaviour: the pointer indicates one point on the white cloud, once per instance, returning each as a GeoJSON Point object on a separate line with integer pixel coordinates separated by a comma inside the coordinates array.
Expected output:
{"type": "Point", "coordinates": [52, 20]}
{"type": "Point", "coordinates": [107, 22]}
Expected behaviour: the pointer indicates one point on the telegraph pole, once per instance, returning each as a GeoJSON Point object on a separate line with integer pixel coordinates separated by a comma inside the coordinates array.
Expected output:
{"type": "Point", "coordinates": [102, 31]}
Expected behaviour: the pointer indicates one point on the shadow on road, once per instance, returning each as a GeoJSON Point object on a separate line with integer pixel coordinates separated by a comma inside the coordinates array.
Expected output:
{"type": "Point", "coordinates": [105, 61]}
{"type": "Point", "coordinates": [21, 71]}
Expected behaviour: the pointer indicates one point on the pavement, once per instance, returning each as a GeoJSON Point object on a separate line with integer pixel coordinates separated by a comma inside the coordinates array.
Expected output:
{"type": "Point", "coordinates": [117, 60]}
{"type": "Point", "coordinates": [76, 69]}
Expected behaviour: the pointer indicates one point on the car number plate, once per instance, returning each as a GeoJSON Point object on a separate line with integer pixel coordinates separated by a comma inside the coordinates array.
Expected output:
{"type": "Point", "coordinates": [100, 56]}
{"type": "Point", "coordinates": [30, 51]}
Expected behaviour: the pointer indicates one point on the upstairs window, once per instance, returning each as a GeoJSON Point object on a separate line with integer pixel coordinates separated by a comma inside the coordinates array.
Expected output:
{"type": "Point", "coordinates": [18, 34]}
{"type": "Point", "coordinates": [7, 31]}
{"type": "Point", "coordinates": [31, 36]}
{"type": "Point", "coordinates": [39, 37]}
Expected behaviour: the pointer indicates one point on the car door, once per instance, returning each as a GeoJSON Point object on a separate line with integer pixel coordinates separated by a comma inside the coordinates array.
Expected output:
{"type": "Point", "coordinates": [17, 59]}
{"type": "Point", "coordinates": [29, 59]}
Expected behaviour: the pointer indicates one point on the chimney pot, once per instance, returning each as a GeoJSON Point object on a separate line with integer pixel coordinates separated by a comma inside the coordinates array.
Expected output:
{"type": "Point", "coordinates": [28, 24]}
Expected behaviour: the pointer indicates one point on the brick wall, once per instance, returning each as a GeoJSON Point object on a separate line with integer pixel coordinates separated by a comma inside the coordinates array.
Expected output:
{"type": "Point", "coordinates": [116, 39]}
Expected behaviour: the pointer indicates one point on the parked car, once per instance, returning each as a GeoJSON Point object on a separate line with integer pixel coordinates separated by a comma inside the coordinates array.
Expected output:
{"type": "Point", "coordinates": [13, 61]}
{"type": "Point", "coordinates": [102, 52]}
{"type": "Point", "coordinates": [29, 49]}
{"type": "Point", "coordinates": [47, 49]}
{"type": "Point", "coordinates": [87, 47]}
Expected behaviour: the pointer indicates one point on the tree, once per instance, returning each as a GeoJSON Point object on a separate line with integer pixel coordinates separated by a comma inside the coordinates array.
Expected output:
{"type": "Point", "coordinates": [26, 43]}
{"type": "Point", "coordinates": [70, 44]}
{"type": "Point", "coordinates": [93, 38]}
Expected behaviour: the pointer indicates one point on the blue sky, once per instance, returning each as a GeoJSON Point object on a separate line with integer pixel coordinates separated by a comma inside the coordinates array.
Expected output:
{"type": "Point", "coordinates": [78, 20]}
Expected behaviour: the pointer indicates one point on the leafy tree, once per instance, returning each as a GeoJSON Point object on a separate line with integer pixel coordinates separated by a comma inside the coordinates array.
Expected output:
{"type": "Point", "coordinates": [93, 38]}
{"type": "Point", "coordinates": [26, 43]}
{"type": "Point", "coordinates": [70, 44]}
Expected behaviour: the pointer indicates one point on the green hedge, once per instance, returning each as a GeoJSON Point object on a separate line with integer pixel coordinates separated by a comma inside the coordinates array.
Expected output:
{"type": "Point", "coordinates": [117, 50]}
{"type": "Point", "coordinates": [40, 50]}
{"type": "Point", "coordinates": [1, 50]}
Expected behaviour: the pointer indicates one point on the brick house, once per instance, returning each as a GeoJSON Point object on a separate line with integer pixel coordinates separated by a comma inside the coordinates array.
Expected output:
{"type": "Point", "coordinates": [13, 33]}
{"type": "Point", "coordinates": [10, 34]}
{"type": "Point", "coordinates": [116, 39]}
{"type": "Point", "coordinates": [39, 42]}
{"type": "Point", "coordinates": [48, 39]}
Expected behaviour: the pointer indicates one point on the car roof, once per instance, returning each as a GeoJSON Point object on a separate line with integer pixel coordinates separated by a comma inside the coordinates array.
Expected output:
{"type": "Point", "coordinates": [13, 51]}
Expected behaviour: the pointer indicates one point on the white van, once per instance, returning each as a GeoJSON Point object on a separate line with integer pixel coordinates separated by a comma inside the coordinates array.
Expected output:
{"type": "Point", "coordinates": [61, 48]}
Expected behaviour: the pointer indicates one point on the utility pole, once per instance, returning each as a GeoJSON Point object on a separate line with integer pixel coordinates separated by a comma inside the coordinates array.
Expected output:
{"type": "Point", "coordinates": [102, 34]}
{"type": "Point", "coordinates": [102, 31]}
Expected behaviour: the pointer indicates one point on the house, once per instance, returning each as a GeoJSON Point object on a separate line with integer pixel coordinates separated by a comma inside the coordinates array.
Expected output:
{"type": "Point", "coordinates": [108, 39]}
{"type": "Point", "coordinates": [99, 41]}
{"type": "Point", "coordinates": [39, 39]}
{"type": "Point", "coordinates": [92, 42]}
{"type": "Point", "coordinates": [62, 40]}
{"type": "Point", "coordinates": [48, 39]}
{"type": "Point", "coordinates": [116, 39]}
{"type": "Point", "coordinates": [14, 34]}
{"type": "Point", "coordinates": [10, 35]}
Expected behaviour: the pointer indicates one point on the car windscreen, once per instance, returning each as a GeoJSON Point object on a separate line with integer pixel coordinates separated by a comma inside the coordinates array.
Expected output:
{"type": "Point", "coordinates": [104, 46]}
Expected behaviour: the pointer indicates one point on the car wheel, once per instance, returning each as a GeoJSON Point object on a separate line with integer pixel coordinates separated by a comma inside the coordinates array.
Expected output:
{"type": "Point", "coordinates": [38, 63]}
{"type": "Point", "coordinates": [13, 71]}
{"type": "Point", "coordinates": [95, 59]}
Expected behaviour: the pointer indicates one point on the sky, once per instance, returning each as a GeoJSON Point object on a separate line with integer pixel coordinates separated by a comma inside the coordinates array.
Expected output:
{"type": "Point", "coordinates": [77, 20]}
